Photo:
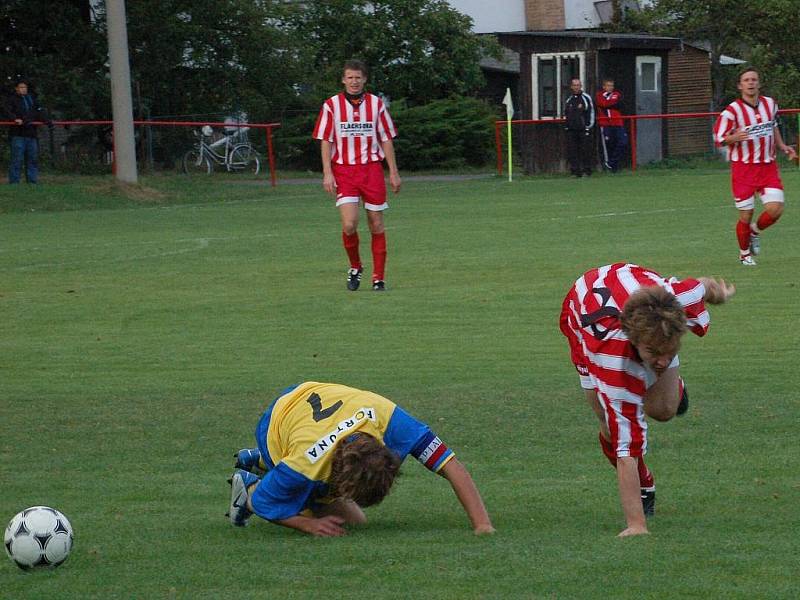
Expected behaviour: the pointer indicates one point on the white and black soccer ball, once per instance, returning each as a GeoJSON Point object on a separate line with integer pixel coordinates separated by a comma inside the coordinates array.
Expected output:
{"type": "Point", "coordinates": [38, 536]}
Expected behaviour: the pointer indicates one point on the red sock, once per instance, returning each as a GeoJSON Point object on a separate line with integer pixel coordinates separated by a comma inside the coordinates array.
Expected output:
{"type": "Point", "coordinates": [743, 236]}
{"type": "Point", "coordinates": [764, 221]}
{"type": "Point", "coordinates": [378, 256]}
{"type": "Point", "coordinates": [645, 476]}
{"type": "Point", "coordinates": [351, 247]}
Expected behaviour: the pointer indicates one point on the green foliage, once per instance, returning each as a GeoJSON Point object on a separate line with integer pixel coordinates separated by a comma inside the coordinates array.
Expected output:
{"type": "Point", "coordinates": [193, 57]}
{"type": "Point", "coordinates": [55, 46]}
{"type": "Point", "coordinates": [452, 132]}
{"type": "Point", "coordinates": [764, 33]}
{"type": "Point", "coordinates": [446, 133]}
{"type": "Point", "coordinates": [208, 58]}
{"type": "Point", "coordinates": [416, 50]}
{"type": "Point", "coordinates": [294, 146]}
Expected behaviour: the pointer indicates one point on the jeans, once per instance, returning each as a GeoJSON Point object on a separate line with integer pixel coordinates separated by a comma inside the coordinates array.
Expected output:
{"type": "Point", "coordinates": [24, 149]}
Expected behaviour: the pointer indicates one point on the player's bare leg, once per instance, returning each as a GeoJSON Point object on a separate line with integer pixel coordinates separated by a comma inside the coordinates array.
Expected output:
{"type": "Point", "coordinates": [770, 215]}
{"type": "Point", "coordinates": [594, 402]}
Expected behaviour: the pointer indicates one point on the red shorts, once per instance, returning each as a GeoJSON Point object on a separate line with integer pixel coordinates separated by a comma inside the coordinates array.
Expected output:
{"type": "Point", "coordinates": [361, 182]}
{"type": "Point", "coordinates": [748, 179]}
{"type": "Point", "coordinates": [575, 348]}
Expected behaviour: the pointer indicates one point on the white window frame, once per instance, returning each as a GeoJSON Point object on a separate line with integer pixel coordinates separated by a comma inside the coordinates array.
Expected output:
{"type": "Point", "coordinates": [535, 58]}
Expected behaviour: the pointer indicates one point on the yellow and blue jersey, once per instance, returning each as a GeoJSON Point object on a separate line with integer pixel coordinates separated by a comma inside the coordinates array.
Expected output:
{"type": "Point", "coordinates": [300, 430]}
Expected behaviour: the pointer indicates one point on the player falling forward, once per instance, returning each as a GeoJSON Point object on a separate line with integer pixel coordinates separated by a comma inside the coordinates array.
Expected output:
{"type": "Point", "coordinates": [749, 128]}
{"type": "Point", "coordinates": [355, 133]}
{"type": "Point", "coordinates": [624, 324]}
{"type": "Point", "coordinates": [328, 451]}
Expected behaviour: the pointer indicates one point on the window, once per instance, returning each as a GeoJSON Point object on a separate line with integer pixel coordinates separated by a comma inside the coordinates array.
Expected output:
{"type": "Point", "coordinates": [649, 82]}
{"type": "Point", "coordinates": [552, 74]}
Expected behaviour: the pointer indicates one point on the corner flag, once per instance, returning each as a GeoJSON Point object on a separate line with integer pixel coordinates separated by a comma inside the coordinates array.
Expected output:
{"type": "Point", "coordinates": [509, 116]}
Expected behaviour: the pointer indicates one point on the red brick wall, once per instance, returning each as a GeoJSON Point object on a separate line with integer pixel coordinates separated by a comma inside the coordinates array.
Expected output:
{"type": "Point", "coordinates": [544, 15]}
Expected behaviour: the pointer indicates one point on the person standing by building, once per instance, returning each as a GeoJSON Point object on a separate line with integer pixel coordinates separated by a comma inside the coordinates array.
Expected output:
{"type": "Point", "coordinates": [612, 129]}
{"type": "Point", "coordinates": [748, 128]}
{"type": "Point", "coordinates": [624, 324]}
{"type": "Point", "coordinates": [24, 110]}
{"type": "Point", "coordinates": [355, 133]}
{"type": "Point", "coordinates": [579, 115]}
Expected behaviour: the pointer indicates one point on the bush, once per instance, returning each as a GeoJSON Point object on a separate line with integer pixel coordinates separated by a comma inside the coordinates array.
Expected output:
{"type": "Point", "coordinates": [294, 146]}
{"type": "Point", "coordinates": [449, 133]}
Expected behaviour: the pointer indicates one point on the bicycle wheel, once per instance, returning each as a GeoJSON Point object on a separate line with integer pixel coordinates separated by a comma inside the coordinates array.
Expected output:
{"type": "Point", "coordinates": [244, 159]}
{"type": "Point", "coordinates": [194, 164]}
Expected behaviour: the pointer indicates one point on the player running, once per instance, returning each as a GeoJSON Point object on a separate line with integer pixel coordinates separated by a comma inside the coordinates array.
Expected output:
{"type": "Point", "coordinates": [624, 324]}
{"type": "Point", "coordinates": [749, 128]}
{"type": "Point", "coordinates": [328, 451]}
{"type": "Point", "coordinates": [356, 134]}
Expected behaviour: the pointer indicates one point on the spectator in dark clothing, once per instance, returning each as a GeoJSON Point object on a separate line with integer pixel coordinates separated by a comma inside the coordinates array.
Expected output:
{"type": "Point", "coordinates": [579, 113]}
{"type": "Point", "coordinates": [24, 111]}
{"type": "Point", "coordinates": [612, 128]}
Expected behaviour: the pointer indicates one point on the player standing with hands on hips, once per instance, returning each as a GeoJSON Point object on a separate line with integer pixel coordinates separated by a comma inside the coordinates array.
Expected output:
{"type": "Point", "coordinates": [624, 324]}
{"type": "Point", "coordinates": [749, 128]}
{"type": "Point", "coordinates": [356, 133]}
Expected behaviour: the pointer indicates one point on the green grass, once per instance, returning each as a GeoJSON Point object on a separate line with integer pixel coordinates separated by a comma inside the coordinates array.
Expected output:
{"type": "Point", "coordinates": [143, 331]}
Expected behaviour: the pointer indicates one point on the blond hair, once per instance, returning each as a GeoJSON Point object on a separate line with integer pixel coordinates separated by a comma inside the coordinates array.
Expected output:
{"type": "Point", "coordinates": [654, 318]}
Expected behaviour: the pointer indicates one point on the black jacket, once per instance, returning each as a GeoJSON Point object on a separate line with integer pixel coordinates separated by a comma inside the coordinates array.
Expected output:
{"type": "Point", "coordinates": [579, 112]}
{"type": "Point", "coordinates": [28, 109]}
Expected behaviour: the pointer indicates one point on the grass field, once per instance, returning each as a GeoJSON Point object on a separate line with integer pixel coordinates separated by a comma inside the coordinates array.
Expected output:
{"type": "Point", "coordinates": [144, 330]}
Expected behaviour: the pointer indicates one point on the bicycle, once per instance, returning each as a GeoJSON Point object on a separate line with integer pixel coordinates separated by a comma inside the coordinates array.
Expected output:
{"type": "Point", "coordinates": [237, 156]}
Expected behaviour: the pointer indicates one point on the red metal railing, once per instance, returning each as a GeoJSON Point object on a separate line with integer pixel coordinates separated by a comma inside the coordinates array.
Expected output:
{"type": "Point", "coordinates": [631, 121]}
{"type": "Point", "coordinates": [267, 127]}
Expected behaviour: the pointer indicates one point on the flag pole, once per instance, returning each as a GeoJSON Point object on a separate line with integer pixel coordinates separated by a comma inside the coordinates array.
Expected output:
{"type": "Point", "coordinates": [509, 116]}
{"type": "Point", "coordinates": [510, 157]}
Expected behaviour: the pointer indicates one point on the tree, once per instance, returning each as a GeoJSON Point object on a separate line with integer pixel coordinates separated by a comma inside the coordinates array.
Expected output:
{"type": "Point", "coordinates": [205, 57]}
{"type": "Point", "coordinates": [418, 50]}
{"type": "Point", "coordinates": [55, 45]}
{"type": "Point", "coordinates": [764, 33]}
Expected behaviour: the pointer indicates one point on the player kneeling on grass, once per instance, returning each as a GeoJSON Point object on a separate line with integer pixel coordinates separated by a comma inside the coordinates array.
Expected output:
{"type": "Point", "coordinates": [325, 451]}
{"type": "Point", "coordinates": [624, 324]}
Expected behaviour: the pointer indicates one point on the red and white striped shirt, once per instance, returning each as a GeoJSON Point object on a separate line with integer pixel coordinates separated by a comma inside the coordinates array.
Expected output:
{"type": "Point", "coordinates": [591, 317]}
{"type": "Point", "coordinates": [355, 131]}
{"type": "Point", "coordinates": [759, 121]}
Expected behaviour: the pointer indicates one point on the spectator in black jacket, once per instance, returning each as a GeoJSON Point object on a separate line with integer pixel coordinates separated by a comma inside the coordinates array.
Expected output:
{"type": "Point", "coordinates": [24, 110]}
{"type": "Point", "coordinates": [579, 113]}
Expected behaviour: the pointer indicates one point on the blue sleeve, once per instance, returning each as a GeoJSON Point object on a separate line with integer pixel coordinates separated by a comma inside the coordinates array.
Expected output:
{"type": "Point", "coordinates": [404, 433]}
{"type": "Point", "coordinates": [282, 493]}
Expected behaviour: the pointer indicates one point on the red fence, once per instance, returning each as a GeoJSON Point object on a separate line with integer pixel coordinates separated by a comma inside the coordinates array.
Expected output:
{"type": "Point", "coordinates": [267, 127]}
{"type": "Point", "coordinates": [631, 121]}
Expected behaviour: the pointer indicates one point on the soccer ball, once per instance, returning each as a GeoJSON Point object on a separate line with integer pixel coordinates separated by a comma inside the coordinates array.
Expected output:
{"type": "Point", "coordinates": [38, 536]}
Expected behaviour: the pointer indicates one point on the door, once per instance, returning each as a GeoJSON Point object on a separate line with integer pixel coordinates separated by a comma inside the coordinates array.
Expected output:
{"type": "Point", "coordinates": [648, 102]}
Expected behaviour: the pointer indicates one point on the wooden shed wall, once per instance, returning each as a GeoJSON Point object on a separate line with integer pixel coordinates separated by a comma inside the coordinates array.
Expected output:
{"type": "Point", "coordinates": [688, 90]}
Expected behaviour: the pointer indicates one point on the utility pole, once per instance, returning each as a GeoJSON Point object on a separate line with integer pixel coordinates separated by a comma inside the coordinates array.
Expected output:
{"type": "Point", "coordinates": [121, 102]}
